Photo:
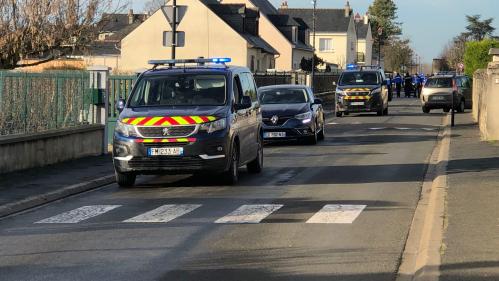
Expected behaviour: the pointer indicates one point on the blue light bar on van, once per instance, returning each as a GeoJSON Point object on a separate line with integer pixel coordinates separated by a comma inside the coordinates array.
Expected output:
{"type": "Point", "coordinates": [186, 61]}
{"type": "Point", "coordinates": [352, 66]}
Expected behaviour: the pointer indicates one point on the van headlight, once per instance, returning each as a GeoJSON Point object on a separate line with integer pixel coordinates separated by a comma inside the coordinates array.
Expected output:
{"type": "Point", "coordinates": [125, 129]}
{"type": "Point", "coordinates": [339, 94]}
{"type": "Point", "coordinates": [304, 117]}
{"type": "Point", "coordinates": [214, 126]}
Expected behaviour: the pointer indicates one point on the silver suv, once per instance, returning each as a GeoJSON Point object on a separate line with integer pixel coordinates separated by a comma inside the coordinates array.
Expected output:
{"type": "Point", "coordinates": [438, 90]}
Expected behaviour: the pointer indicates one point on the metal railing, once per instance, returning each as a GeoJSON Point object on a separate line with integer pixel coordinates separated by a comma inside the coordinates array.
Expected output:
{"type": "Point", "coordinates": [36, 102]}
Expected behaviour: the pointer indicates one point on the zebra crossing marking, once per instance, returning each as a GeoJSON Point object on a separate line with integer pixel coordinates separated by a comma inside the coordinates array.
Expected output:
{"type": "Point", "coordinates": [245, 214]}
{"type": "Point", "coordinates": [164, 213]}
{"type": "Point", "coordinates": [80, 214]}
{"type": "Point", "coordinates": [337, 214]}
{"type": "Point", "coordinates": [249, 214]}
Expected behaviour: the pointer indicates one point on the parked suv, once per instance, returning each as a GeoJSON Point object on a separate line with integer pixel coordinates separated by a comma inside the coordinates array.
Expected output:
{"type": "Point", "coordinates": [438, 91]}
{"type": "Point", "coordinates": [362, 90]}
{"type": "Point", "coordinates": [189, 119]}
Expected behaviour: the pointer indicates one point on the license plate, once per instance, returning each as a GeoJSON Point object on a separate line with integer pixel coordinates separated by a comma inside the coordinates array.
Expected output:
{"type": "Point", "coordinates": [165, 151]}
{"type": "Point", "coordinates": [357, 103]}
{"type": "Point", "coordinates": [438, 98]}
{"type": "Point", "coordinates": [275, 135]}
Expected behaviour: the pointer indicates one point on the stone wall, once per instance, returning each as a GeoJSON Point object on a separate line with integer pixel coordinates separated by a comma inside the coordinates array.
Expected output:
{"type": "Point", "coordinates": [486, 98]}
{"type": "Point", "coordinates": [41, 149]}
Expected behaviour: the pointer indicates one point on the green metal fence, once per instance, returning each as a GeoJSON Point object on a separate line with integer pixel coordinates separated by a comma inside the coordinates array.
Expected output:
{"type": "Point", "coordinates": [35, 102]}
{"type": "Point", "coordinates": [119, 88]}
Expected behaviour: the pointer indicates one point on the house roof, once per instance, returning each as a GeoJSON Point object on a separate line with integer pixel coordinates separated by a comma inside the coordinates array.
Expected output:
{"type": "Point", "coordinates": [233, 15]}
{"type": "Point", "coordinates": [327, 20]}
{"type": "Point", "coordinates": [281, 21]}
{"type": "Point", "coordinates": [362, 29]}
{"type": "Point", "coordinates": [119, 24]}
{"type": "Point", "coordinates": [265, 7]}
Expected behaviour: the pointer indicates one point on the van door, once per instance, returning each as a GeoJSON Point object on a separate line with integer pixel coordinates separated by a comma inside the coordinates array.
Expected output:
{"type": "Point", "coordinates": [241, 119]}
{"type": "Point", "coordinates": [254, 113]}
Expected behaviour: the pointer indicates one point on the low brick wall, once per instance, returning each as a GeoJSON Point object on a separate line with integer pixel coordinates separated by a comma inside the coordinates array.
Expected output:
{"type": "Point", "coordinates": [486, 101]}
{"type": "Point", "coordinates": [20, 152]}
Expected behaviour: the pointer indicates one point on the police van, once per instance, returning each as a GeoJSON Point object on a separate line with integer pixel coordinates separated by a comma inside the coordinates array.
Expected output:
{"type": "Point", "coordinates": [362, 89]}
{"type": "Point", "coordinates": [189, 116]}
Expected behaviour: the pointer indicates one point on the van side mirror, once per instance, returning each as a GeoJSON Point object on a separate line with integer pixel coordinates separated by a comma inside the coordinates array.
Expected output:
{"type": "Point", "coordinates": [245, 103]}
{"type": "Point", "coordinates": [120, 105]}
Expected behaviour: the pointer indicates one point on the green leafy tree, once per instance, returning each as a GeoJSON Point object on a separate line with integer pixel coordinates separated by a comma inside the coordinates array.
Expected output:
{"type": "Point", "coordinates": [478, 29]}
{"type": "Point", "coordinates": [383, 14]}
{"type": "Point", "coordinates": [477, 55]}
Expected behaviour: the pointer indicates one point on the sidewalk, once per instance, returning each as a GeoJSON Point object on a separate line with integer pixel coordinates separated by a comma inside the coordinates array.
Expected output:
{"type": "Point", "coordinates": [471, 239]}
{"type": "Point", "coordinates": [32, 187]}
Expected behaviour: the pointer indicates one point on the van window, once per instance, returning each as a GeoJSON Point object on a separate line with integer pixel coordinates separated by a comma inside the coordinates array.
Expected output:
{"type": "Point", "coordinates": [441, 82]}
{"type": "Point", "coordinates": [248, 86]}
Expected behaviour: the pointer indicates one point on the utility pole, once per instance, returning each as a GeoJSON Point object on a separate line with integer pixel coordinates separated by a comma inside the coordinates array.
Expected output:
{"type": "Point", "coordinates": [174, 29]}
{"type": "Point", "coordinates": [313, 44]}
{"type": "Point", "coordinates": [380, 32]}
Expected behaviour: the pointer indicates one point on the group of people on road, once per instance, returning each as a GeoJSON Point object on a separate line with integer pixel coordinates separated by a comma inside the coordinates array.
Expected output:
{"type": "Point", "coordinates": [412, 84]}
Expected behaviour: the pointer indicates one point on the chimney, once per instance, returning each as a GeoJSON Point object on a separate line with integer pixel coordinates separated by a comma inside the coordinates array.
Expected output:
{"type": "Point", "coordinates": [284, 5]}
{"type": "Point", "coordinates": [366, 18]}
{"type": "Point", "coordinates": [130, 16]}
{"type": "Point", "coordinates": [348, 10]}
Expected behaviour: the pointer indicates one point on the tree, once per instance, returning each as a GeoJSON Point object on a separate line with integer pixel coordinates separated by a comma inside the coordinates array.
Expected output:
{"type": "Point", "coordinates": [478, 30]}
{"type": "Point", "coordinates": [398, 55]}
{"type": "Point", "coordinates": [383, 14]}
{"type": "Point", "coordinates": [477, 55]}
{"type": "Point", "coordinates": [306, 64]}
{"type": "Point", "coordinates": [49, 28]}
{"type": "Point", "coordinates": [152, 6]}
{"type": "Point", "coordinates": [453, 52]}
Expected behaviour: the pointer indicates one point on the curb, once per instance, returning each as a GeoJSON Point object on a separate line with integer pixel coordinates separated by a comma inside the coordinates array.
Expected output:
{"type": "Point", "coordinates": [35, 201]}
{"type": "Point", "coordinates": [421, 257]}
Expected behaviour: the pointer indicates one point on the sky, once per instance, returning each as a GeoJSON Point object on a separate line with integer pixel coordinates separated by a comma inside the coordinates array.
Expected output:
{"type": "Point", "coordinates": [429, 24]}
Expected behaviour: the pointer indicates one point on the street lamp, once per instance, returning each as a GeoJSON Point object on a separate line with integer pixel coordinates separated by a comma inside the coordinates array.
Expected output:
{"type": "Point", "coordinates": [313, 43]}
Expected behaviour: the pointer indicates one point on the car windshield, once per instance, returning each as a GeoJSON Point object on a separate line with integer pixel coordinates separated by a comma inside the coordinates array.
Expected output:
{"type": "Point", "coordinates": [180, 90]}
{"type": "Point", "coordinates": [283, 96]}
{"type": "Point", "coordinates": [439, 83]}
{"type": "Point", "coordinates": [359, 78]}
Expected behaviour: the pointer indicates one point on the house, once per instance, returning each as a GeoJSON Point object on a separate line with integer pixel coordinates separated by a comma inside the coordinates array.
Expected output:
{"type": "Point", "coordinates": [206, 28]}
{"type": "Point", "coordinates": [335, 36]}
{"type": "Point", "coordinates": [364, 39]}
{"type": "Point", "coordinates": [288, 35]}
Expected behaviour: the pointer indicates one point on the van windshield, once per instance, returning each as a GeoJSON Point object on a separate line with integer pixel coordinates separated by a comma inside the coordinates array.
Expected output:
{"type": "Point", "coordinates": [439, 83]}
{"type": "Point", "coordinates": [180, 90]}
{"type": "Point", "coordinates": [359, 78]}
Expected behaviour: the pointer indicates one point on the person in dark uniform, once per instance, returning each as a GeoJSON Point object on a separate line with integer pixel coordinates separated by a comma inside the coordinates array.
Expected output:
{"type": "Point", "coordinates": [407, 85]}
{"type": "Point", "coordinates": [398, 84]}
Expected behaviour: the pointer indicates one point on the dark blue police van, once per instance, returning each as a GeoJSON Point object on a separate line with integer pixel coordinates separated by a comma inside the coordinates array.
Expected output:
{"type": "Point", "coordinates": [187, 117]}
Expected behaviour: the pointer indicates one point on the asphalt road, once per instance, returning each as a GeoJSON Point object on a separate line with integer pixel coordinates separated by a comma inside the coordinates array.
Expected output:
{"type": "Point", "coordinates": [340, 210]}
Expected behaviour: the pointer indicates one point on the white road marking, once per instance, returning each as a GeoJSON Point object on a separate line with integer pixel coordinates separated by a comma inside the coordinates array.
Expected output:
{"type": "Point", "coordinates": [333, 123]}
{"type": "Point", "coordinates": [249, 214]}
{"type": "Point", "coordinates": [331, 213]}
{"type": "Point", "coordinates": [402, 128]}
{"type": "Point", "coordinates": [429, 129]}
{"type": "Point", "coordinates": [376, 129]}
{"type": "Point", "coordinates": [164, 213]}
{"type": "Point", "coordinates": [80, 214]}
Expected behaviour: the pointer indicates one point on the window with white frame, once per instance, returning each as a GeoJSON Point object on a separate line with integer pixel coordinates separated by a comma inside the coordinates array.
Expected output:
{"type": "Point", "coordinates": [325, 45]}
{"type": "Point", "coordinates": [294, 30]}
